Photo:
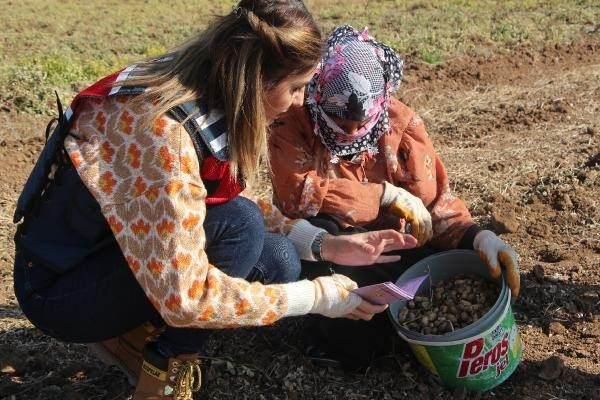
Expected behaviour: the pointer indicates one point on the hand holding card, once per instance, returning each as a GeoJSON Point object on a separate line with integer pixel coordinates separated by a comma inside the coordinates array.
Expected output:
{"type": "Point", "coordinates": [388, 292]}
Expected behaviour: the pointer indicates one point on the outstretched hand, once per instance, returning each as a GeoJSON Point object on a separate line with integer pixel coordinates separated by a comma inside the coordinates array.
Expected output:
{"type": "Point", "coordinates": [365, 248]}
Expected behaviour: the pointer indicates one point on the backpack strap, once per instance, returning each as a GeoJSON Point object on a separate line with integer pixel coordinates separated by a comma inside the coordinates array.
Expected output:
{"type": "Point", "coordinates": [52, 154]}
{"type": "Point", "coordinates": [207, 128]}
{"type": "Point", "coordinates": [208, 131]}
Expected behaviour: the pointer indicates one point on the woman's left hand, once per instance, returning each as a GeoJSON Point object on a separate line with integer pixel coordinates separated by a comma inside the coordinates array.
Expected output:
{"type": "Point", "coordinates": [499, 256]}
{"type": "Point", "coordinates": [365, 248]}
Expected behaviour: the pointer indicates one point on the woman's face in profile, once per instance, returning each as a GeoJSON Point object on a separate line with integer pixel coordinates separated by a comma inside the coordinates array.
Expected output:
{"type": "Point", "coordinates": [289, 92]}
{"type": "Point", "coordinates": [350, 127]}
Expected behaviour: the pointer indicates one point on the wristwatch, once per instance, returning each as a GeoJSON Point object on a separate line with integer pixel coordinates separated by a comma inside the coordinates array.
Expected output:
{"type": "Point", "coordinates": [317, 245]}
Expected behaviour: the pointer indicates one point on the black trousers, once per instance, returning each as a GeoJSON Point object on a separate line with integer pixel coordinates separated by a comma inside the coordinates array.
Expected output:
{"type": "Point", "coordinates": [356, 343]}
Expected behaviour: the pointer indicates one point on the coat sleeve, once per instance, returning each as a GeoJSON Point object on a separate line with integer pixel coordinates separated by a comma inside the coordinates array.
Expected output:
{"type": "Point", "coordinates": [421, 171]}
{"type": "Point", "coordinates": [147, 183]}
{"type": "Point", "coordinates": [301, 188]}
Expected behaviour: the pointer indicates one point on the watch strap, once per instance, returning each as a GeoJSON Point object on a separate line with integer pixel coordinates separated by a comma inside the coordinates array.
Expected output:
{"type": "Point", "coordinates": [317, 246]}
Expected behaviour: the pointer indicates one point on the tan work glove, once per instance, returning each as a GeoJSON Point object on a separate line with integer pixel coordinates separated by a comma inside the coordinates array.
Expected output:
{"type": "Point", "coordinates": [404, 205]}
{"type": "Point", "coordinates": [499, 256]}
{"type": "Point", "coordinates": [333, 298]}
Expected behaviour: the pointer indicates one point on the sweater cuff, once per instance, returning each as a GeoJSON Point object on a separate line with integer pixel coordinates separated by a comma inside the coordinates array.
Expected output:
{"type": "Point", "coordinates": [303, 235]}
{"type": "Point", "coordinates": [467, 240]}
{"type": "Point", "coordinates": [300, 297]}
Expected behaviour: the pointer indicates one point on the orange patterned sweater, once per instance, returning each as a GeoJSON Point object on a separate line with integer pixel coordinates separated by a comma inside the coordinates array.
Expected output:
{"type": "Point", "coordinates": [305, 182]}
{"type": "Point", "coordinates": [147, 182]}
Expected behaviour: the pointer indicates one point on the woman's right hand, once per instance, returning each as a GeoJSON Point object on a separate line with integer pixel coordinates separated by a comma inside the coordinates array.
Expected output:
{"type": "Point", "coordinates": [403, 204]}
{"type": "Point", "coordinates": [334, 299]}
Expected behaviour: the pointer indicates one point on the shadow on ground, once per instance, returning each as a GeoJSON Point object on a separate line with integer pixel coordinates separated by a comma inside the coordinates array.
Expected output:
{"type": "Point", "coordinates": [35, 366]}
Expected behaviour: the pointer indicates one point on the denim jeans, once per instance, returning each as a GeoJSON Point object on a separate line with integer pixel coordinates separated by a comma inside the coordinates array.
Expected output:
{"type": "Point", "coordinates": [101, 298]}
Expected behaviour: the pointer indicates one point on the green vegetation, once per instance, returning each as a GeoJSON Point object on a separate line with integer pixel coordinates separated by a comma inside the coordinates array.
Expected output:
{"type": "Point", "coordinates": [50, 45]}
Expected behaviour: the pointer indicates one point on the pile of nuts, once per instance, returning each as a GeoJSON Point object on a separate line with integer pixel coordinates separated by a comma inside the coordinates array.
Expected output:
{"type": "Point", "coordinates": [452, 304]}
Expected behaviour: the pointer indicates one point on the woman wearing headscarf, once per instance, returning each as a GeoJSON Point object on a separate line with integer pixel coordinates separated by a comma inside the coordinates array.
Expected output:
{"type": "Point", "coordinates": [355, 158]}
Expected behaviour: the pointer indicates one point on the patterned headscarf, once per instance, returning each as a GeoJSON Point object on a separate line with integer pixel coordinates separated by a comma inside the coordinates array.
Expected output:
{"type": "Point", "coordinates": [354, 81]}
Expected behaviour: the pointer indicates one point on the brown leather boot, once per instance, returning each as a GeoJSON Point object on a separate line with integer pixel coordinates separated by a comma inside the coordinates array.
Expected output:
{"type": "Point", "coordinates": [125, 351]}
{"type": "Point", "coordinates": [168, 378]}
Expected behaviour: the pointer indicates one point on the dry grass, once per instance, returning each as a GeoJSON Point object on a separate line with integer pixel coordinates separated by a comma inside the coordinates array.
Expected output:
{"type": "Point", "coordinates": [529, 121]}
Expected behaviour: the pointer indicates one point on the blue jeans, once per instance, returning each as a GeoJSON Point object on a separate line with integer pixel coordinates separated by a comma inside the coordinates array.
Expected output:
{"type": "Point", "coordinates": [101, 298]}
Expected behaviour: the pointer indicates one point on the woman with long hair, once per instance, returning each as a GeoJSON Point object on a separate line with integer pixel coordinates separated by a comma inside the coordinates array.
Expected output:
{"type": "Point", "coordinates": [134, 234]}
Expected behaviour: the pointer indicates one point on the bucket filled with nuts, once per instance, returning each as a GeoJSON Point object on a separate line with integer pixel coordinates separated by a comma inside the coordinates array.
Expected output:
{"type": "Point", "coordinates": [460, 325]}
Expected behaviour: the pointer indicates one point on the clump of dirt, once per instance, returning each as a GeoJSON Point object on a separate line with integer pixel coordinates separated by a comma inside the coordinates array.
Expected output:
{"type": "Point", "coordinates": [505, 221]}
{"type": "Point", "coordinates": [552, 253]}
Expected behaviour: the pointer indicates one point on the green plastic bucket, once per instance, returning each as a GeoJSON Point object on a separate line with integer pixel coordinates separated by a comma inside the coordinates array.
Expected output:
{"type": "Point", "coordinates": [477, 357]}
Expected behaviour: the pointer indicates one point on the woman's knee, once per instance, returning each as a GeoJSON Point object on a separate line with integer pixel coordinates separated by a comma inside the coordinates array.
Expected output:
{"type": "Point", "coordinates": [247, 209]}
{"type": "Point", "coordinates": [279, 261]}
{"type": "Point", "coordinates": [234, 232]}
{"type": "Point", "coordinates": [249, 227]}
{"type": "Point", "coordinates": [246, 217]}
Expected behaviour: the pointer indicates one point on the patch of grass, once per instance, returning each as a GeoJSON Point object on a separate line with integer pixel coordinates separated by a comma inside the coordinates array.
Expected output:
{"type": "Point", "coordinates": [47, 44]}
{"type": "Point", "coordinates": [430, 56]}
{"type": "Point", "coordinates": [28, 86]}
{"type": "Point", "coordinates": [508, 34]}
{"type": "Point", "coordinates": [454, 27]}
{"type": "Point", "coordinates": [59, 69]}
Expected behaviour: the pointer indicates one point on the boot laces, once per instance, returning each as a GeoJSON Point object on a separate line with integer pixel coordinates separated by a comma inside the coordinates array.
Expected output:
{"type": "Point", "coordinates": [188, 381]}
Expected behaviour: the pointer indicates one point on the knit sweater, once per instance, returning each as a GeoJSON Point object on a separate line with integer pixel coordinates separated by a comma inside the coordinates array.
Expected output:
{"type": "Point", "coordinates": [306, 182]}
{"type": "Point", "coordinates": [147, 182]}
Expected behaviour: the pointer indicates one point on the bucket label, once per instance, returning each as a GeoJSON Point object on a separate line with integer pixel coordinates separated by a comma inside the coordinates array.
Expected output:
{"type": "Point", "coordinates": [479, 363]}
{"type": "Point", "coordinates": [475, 360]}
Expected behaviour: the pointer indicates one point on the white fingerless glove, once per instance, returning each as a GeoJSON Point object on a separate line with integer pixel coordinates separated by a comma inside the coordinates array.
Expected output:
{"type": "Point", "coordinates": [499, 256]}
{"type": "Point", "coordinates": [404, 205]}
{"type": "Point", "coordinates": [333, 298]}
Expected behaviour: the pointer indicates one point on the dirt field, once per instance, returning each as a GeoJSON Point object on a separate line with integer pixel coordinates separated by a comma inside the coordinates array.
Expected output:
{"type": "Point", "coordinates": [519, 136]}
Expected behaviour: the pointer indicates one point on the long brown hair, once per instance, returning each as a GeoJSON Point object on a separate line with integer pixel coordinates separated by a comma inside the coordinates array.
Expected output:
{"type": "Point", "coordinates": [231, 64]}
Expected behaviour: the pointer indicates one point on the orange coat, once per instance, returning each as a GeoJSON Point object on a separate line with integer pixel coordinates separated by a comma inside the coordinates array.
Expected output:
{"type": "Point", "coordinates": [305, 182]}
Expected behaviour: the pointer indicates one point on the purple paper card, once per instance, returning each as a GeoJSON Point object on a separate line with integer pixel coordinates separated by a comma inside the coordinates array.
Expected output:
{"type": "Point", "coordinates": [388, 292]}
{"type": "Point", "coordinates": [410, 288]}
